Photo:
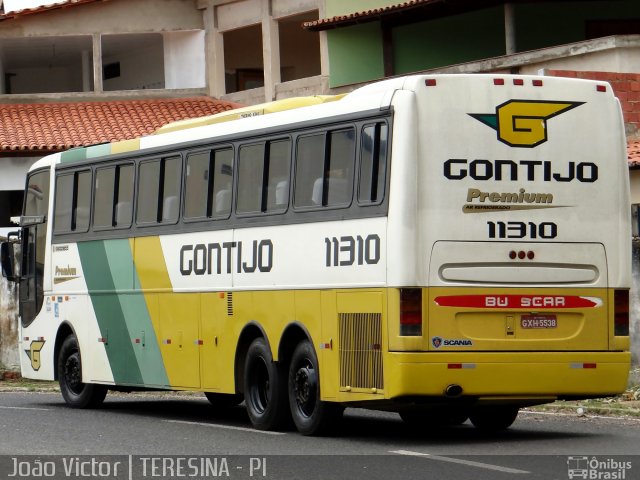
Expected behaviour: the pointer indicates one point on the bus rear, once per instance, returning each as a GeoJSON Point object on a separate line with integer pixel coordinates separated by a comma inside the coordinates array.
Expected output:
{"type": "Point", "coordinates": [518, 291]}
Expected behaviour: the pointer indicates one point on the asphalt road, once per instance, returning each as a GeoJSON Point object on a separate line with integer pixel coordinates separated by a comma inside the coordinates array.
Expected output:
{"type": "Point", "coordinates": [164, 436]}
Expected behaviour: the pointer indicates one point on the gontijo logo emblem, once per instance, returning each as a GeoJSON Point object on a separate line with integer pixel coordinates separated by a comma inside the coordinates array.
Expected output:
{"type": "Point", "coordinates": [523, 123]}
{"type": "Point", "coordinates": [34, 353]}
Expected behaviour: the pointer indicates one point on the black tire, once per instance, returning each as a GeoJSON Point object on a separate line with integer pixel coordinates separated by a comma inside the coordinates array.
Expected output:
{"type": "Point", "coordinates": [265, 388]}
{"type": "Point", "coordinates": [224, 400]}
{"type": "Point", "coordinates": [75, 393]}
{"type": "Point", "coordinates": [311, 416]}
{"type": "Point", "coordinates": [434, 418]}
{"type": "Point", "coordinates": [493, 419]}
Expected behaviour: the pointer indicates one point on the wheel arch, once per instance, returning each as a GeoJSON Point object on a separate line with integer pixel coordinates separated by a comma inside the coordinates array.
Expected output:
{"type": "Point", "coordinates": [64, 330]}
{"type": "Point", "coordinates": [250, 332]}
{"type": "Point", "coordinates": [293, 334]}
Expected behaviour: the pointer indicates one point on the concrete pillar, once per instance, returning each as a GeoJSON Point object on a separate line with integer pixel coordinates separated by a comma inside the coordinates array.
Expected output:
{"type": "Point", "coordinates": [509, 29]}
{"type": "Point", "coordinates": [270, 52]}
{"type": "Point", "coordinates": [214, 51]}
{"type": "Point", "coordinates": [97, 63]}
{"type": "Point", "coordinates": [86, 71]}
{"type": "Point", "coordinates": [324, 44]}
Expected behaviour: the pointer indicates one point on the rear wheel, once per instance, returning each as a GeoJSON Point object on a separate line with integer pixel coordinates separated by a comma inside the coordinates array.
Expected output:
{"type": "Point", "coordinates": [265, 388]}
{"type": "Point", "coordinates": [74, 392]}
{"type": "Point", "coordinates": [311, 415]}
{"type": "Point", "coordinates": [494, 418]}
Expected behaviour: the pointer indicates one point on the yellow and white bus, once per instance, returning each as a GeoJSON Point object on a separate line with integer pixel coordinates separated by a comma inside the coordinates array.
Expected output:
{"type": "Point", "coordinates": [447, 247]}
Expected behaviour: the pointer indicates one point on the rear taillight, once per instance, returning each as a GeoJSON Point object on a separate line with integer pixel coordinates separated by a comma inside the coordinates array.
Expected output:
{"type": "Point", "coordinates": [621, 314]}
{"type": "Point", "coordinates": [411, 312]}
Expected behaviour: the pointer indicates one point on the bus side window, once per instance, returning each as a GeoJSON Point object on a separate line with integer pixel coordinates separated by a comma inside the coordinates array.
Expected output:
{"type": "Point", "coordinates": [124, 185]}
{"type": "Point", "coordinates": [309, 170]}
{"type": "Point", "coordinates": [250, 173]}
{"type": "Point", "coordinates": [159, 191]}
{"type": "Point", "coordinates": [73, 202]}
{"type": "Point", "coordinates": [113, 197]}
{"type": "Point", "coordinates": [277, 197]}
{"type": "Point", "coordinates": [324, 169]}
{"type": "Point", "coordinates": [222, 183]}
{"type": "Point", "coordinates": [373, 164]}
{"type": "Point", "coordinates": [208, 184]}
{"type": "Point", "coordinates": [263, 177]}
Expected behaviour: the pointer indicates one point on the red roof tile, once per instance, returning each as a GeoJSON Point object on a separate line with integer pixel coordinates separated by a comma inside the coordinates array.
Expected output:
{"type": "Point", "coordinates": [52, 127]}
{"type": "Point", "coordinates": [43, 8]}
{"type": "Point", "coordinates": [365, 15]}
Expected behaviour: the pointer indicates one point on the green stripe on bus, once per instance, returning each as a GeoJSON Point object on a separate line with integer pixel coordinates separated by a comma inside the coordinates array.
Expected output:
{"type": "Point", "coordinates": [98, 150]}
{"type": "Point", "coordinates": [136, 314]}
{"type": "Point", "coordinates": [109, 312]}
{"type": "Point", "coordinates": [73, 155]}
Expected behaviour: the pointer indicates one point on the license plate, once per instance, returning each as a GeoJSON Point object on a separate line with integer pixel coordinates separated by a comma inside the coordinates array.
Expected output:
{"type": "Point", "coordinates": [538, 321]}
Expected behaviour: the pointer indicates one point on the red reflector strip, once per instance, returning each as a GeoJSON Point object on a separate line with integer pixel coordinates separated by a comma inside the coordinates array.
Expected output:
{"type": "Point", "coordinates": [458, 366]}
{"type": "Point", "coordinates": [198, 342]}
{"type": "Point", "coordinates": [167, 341]}
{"type": "Point", "coordinates": [41, 339]}
{"type": "Point", "coordinates": [537, 83]}
{"type": "Point", "coordinates": [102, 340]}
{"type": "Point", "coordinates": [584, 365]}
{"type": "Point", "coordinates": [137, 340]}
{"type": "Point", "coordinates": [26, 339]}
{"type": "Point", "coordinates": [430, 82]}
{"type": "Point", "coordinates": [601, 88]}
{"type": "Point", "coordinates": [498, 81]}
{"type": "Point", "coordinates": [518, 301]}
{"type": "Point", "coordinates": [518, 81]}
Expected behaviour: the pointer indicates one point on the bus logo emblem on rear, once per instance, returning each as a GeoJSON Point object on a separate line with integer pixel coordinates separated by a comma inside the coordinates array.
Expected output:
{"type": "Point", "coordinates": [523, 123]}
{"type": "Point", "coordinates": [437, 341]}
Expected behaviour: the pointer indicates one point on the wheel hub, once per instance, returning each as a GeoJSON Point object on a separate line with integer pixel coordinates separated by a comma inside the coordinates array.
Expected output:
{"type": "Point", "coordinates": [305, 389]}
{"type": "Point", "coordinates": [73, 373]}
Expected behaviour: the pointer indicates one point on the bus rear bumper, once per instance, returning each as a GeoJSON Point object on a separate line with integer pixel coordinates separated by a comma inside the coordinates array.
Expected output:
{"type": "Point", "coordinates": [549, 375]}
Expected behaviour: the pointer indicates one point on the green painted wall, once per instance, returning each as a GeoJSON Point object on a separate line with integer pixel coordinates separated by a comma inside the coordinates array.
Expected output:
{"type": "Point", "coordinates": [355, 54]}
{"type": "Point", "coordinates": [450, 40]}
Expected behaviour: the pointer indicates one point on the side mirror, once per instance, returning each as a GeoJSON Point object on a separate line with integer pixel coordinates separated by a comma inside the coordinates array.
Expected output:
{"type": "Point", "coordinates": [7, 259]}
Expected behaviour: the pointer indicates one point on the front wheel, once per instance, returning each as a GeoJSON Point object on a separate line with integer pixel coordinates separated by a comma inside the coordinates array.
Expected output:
{"type": "Point", "coordinates": [265, 388]}
{"type": "Point", "coordinates": [493, 419]}
{"type": "Point", "coordinates": [310, 415]}
{"type": "Point", "coordinates": [74, 392]}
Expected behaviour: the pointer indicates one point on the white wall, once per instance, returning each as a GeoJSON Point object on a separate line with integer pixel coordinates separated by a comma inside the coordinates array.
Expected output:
{"type": "Point", "coordinates": [184, 59]}
{"type": "Point", "coordinates": [14, 172]}
{"type": "Point", "coordinates": [139, 69]}
{"type": "Point", "coordinates": [13, 5]}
